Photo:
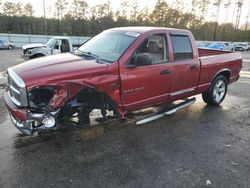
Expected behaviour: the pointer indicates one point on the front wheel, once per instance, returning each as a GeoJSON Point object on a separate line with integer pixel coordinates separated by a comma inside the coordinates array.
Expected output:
{"type": "Point", "coordinates": [10, 47]}
{"type": "Point", "coordinates": [217, 91]}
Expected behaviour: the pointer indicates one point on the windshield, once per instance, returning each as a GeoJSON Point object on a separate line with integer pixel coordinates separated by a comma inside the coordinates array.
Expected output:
{"type": "Point", "coordinates": [51, 42]}
{"type": "Point", "coordinates": [109, 46]}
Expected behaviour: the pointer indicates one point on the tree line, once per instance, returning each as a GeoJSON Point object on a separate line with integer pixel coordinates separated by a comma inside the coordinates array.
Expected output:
{"type": "Point", "coordinates": [79, 19]}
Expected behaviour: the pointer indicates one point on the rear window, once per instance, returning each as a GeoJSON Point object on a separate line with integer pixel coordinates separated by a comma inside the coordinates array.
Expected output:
{"type": "Point", "coordinates": [182, 47]}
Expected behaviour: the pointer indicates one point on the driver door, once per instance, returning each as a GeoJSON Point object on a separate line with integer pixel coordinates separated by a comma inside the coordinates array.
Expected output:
{"type": "Point", "coordinates": [147, 85]}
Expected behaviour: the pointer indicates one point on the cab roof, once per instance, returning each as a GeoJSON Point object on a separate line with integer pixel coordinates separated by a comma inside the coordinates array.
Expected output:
{"type": "Point", "coordinates": [139, 29]}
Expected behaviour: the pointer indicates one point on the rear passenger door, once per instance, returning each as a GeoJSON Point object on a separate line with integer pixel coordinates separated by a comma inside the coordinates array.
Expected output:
{"type": "Point", "coordinates": [185, 67]}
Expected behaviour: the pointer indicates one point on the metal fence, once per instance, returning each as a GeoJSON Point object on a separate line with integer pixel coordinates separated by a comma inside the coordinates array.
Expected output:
{"type": "Point", "coordinates": [22, 39]}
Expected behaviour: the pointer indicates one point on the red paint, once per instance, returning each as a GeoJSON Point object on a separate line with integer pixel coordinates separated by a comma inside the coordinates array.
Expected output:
{"type": "Point", "coordinates": [130, 88]}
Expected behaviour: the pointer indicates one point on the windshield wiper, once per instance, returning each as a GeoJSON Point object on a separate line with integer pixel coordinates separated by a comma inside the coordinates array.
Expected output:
{"type": "Point", "coordinates": [89, 54]}
{"type": "Point", "coordinates": [78, 52]}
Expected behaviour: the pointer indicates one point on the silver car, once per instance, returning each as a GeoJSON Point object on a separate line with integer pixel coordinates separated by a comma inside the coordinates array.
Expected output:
{"type": "Point", "coordinates": [6, 44]}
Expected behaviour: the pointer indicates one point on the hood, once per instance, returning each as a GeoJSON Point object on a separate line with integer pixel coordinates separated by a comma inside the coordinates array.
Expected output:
{"type": "Point", "coordinates": [56, 68]}
{"type": "Point", "coordinates": [28, 46]}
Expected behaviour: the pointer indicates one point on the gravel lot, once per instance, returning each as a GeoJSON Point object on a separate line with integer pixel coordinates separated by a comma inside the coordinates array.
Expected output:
{"type": "Point", "coordinates": [199, 146]}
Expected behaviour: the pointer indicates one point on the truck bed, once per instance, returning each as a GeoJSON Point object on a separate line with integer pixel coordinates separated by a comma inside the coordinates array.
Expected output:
{"type": "Point", "coordinates": [210, 52]}
{"type": "Point", "coordinates": [213, 61]}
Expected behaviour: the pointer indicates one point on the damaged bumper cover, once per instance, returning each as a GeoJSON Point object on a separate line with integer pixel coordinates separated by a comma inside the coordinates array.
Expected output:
{"type": "Point", "coordinates": [27, 122]}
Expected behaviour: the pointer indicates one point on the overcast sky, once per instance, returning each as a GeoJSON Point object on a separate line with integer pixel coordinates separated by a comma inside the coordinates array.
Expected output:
{"type": "Point", "coordinates": [149, 3]}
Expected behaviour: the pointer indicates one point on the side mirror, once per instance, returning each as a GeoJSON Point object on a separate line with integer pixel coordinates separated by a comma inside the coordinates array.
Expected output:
{"type": "Point", "coordinates": [143, 59]}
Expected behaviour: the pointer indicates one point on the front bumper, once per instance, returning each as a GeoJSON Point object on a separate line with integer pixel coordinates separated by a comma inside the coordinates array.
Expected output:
{"type": "Point", "coordinates": [25, 121]}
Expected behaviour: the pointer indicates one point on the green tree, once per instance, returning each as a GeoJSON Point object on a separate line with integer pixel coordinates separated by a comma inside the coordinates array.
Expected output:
{"type": "Point", "coordinates": [28, 10]}
{"type": "Point", "coordinates": [160, 14]}
{"type": "Point", "coordinates": [11, 9]}
{"type": "Point", "coordinates": [80, 8]}
{"type": "Point", "coordinates": [122, 12]}
{"type": "Point", "coordinates": [61, 6]}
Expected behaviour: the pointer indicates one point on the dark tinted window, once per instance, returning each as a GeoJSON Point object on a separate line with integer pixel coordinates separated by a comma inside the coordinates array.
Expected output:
{"type": "Point", "coordinates": [182, 47]}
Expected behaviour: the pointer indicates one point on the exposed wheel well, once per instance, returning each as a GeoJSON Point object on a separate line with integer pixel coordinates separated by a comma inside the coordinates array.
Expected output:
{"type": "Point", "coordinates": [89, 99]}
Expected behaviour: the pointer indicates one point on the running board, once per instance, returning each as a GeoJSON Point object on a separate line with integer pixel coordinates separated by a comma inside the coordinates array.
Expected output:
{"type": "Point", "coordinates": [166, 111]}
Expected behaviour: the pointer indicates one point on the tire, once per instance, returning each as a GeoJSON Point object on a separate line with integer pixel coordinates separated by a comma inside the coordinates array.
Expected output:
{"type": "Point", "coordinates": [217, 91]}
{"type": "Point", "coordinates": [37, 56]}
{"type": "Point", "coordinates": [10, 47]}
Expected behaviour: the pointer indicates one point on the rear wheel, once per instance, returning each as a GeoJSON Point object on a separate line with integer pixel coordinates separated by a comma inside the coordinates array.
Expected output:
{"type": "Point", "coordinates": [217, 91]}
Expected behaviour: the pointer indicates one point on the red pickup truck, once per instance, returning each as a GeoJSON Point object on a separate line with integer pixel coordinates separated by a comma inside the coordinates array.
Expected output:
{"type": "Point", "coordinates": [119, 70]}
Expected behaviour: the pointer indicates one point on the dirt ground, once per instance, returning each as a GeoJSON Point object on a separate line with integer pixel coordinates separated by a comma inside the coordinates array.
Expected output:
{"type": "Point", "coordinates": [199, 146]}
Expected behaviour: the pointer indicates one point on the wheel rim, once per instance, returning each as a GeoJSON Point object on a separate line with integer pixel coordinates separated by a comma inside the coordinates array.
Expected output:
{"type": "Point", "coordinates": [219, 91]}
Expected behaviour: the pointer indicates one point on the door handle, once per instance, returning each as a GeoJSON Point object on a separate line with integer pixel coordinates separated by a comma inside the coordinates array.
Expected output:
{"type": "Point", "coordinates": [165, 72]}
{"type": "Point", "coordinates": [194, 66]}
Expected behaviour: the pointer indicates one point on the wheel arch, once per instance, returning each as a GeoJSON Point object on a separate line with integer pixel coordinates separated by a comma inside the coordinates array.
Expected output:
{"type": "Point", "coordinates": [225, 72]}
{"type": "Point", "coordinates": [98, 99]}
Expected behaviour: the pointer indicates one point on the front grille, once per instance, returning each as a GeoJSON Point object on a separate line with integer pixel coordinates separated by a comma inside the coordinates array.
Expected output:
{"type": "Point", "coordinates": [15, 95]}
{"type": "Point", "coordinates": [12, 83]}
{"type": "Point", "coordinates": [17, 89]}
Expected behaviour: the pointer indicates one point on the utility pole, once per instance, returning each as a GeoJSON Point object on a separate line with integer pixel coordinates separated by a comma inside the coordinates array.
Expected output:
{"type": "Point", "coordinates": [239, 4]}
{"type": "Point", "coordinates": [217, 4]}
{"type": "Point", "coordinates": [248, 15]}
{"type": "Point", "coordinates": [227, 6]}
{"type": "Point", "coordinates": [44, 16]}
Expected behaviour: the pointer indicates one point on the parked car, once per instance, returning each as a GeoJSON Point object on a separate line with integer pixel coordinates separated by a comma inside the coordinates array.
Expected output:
{"type": "Point", "coordinates": [222, 46]}
{"type": "Point", "coordinates": [119, 70]}
{"type": "Point", "coordinates": [229, 46]}
{"type": "Point", "coordinates": [55, 45]}
{"type": "Point", "coordinates": [242, 47]}
{"type": "Point", "coordinates": [4, 44]}
{"type": "Point", "coordinates": [201, 44]}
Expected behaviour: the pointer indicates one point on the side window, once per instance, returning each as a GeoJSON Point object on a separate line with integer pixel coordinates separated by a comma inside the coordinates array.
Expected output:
{"type": "Point", "coordinates": [156, 47]}
{"type": "Point", "coordinates": [182, 47]}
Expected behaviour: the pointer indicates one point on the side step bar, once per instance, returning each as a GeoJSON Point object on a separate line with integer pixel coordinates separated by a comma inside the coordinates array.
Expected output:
{"type": "Point", "coordinates": [166, 111]}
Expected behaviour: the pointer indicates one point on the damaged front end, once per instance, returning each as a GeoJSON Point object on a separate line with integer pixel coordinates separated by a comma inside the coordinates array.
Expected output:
{"type": "Point", "coordinates": [43, 108]}
{"type": "Point", "coordinates": [35, 122]}
{"type": "Point", "coordinates": [30, 111]}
